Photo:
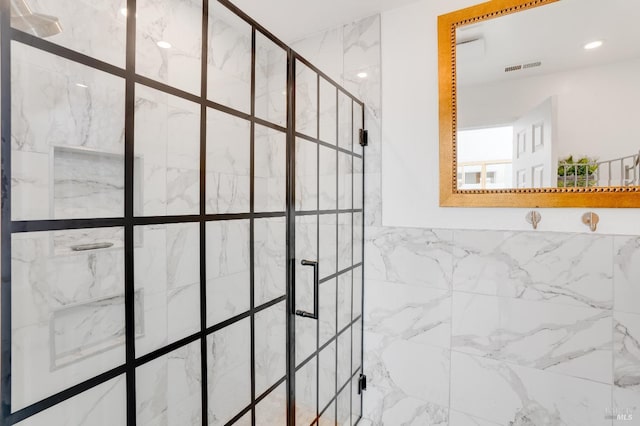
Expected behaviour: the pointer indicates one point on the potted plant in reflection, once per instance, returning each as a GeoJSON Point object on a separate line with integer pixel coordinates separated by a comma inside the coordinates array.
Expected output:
{"type": "Point", "coordinates": [577, 173]}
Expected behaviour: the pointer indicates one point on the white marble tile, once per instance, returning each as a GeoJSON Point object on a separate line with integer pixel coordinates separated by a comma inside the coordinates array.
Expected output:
{"type": "Point", "coordinates": [306, 175]}
{"type": "Point", "coordinates": [457, 418]}
{"type": "Point", "coordinates": [270, 346]}
{"type": "Point", "coordinates": [410, 256]}
{"type": "Point", "coordinates": [227, 257]}
{"type": "Point", "coordinates": [328, 416]}
{"type": "Point", "coordinates": [228, 163]}
{"type": "Point", "coordinates": [167, 149]}
{"type": "Point", "coordinates": [272, 410]}
{"type": "Point", "coordinates": [96, 28]}
{"type": "Point", "coordinates": [103, 405]}
{"type": "Point", "coordinates": [306, 100]}
{"type": "Point", "coordinates": [625, 406]}
{"type": "Point", "coordinates": [345, 292]}
{"type": "Point", "coordinates": [570, 340]}
{"type": "Point", "coordinates": [357, 292]}
{"type": "Point", "coordinates": [168, 389]}
{"type": "Point", "coordinates": [344, 358]}
{"type": "Point", "coordinates": [626, 351]}
{"type": "Point", "coordinates": [180, 25]}
{"type": "Point", "coordinates": [345, 181]}
{"type": "Point", "coordinates": [271, 81]}
{"type": "Point", "coordinates": [328, 112]}
{"type": "Point", "coordinates": [327, 375]}
{"type": "Point", "coordinates": [324, 50]}
{"type": "Point", "coordinates": [328, 241]}
{"type": "Point", "coordinates": [384, 407]}
{"type": "Point", "coordinates": [229, 59]}
{"type": "Point", "coordinates": [358, 124]}
{"type": "Point", "coordinates": [50, 111]}
{"type": "Point", "coordinates": [421, 315]}
{"type": "Point", "coordinates": [358, 238]}
{"type": "Point", "coordinates": [343, 407]}
{"type": "Point", "coordinates": [270, 174]}
{"type": "Point", "coordinates": [358, 177]}
{"type": "Point", "coordinates": [327, 315]}
{"type": "Point", "coordinates": [229, 371]}
{"type": "Point", "coordinates": [345, 241]}
{"type": "Point", "coordinates": [414, 369]}
{"type": "Point", "coordinates": [356, 403]}
{"type": "Point", "coordinates": [362, 53]}
{"type": "Point", "coordinates": [521, 395]}
{"type": "Point", "coordinates": [626, 269]}
{"type": "Point", "coordinates": [167, 271]}
{"type": "Point", "coordinates": [373, 199]}
{"type": "Point", "coordinates": [328, 179]}
{"type": "Point", "coordinates": [573, 269]}
{"type": "Point", "coordinates": [270, 259]}
{"type": "Point", "coordinates": [345, 121]}
{"type": "Point", "coordinates": [356, 352]}
{"type": "Point", "coordinates": [52, 285]}
{"type": "Point", "coordinates": [306, 393]}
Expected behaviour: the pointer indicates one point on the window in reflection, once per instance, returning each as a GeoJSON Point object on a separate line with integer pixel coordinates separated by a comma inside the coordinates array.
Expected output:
{"type": "Point", "coordinates": [486, 158]}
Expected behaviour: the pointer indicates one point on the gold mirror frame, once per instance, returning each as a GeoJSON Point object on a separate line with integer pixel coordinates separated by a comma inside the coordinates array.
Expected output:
{"type": "Point", "coordinates": [450, 195]}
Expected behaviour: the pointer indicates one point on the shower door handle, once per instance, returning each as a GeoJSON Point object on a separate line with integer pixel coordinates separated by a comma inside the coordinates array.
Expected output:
{"type": "Point", "coordinates": [316, 288]}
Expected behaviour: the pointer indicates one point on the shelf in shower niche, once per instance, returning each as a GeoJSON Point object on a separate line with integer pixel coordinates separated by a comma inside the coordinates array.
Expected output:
{"type": "Point", "coordinates": [89, 183]}
{"type": "Point", "coordinates": [90, 328]}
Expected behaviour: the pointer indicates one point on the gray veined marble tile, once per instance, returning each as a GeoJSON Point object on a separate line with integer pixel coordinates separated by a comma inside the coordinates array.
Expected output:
{"type": "Point", "coordinates": [414, 369]}
{"type": "Point", "coordinates": [326, 50]}
{"type": "Point", "coordinates": [306, 175]}
{"type": "Point", "coordinates": [271, 81]}
{"type": "Point", "coordinates": [306, 100]}
{"type": "Point", "coordinates": [394, 407]}
{"type": "Point", "coordinates": [343, 407]}
{"type": "Point", "coordinates": [272, 409]}
{"type": "Point", "coordinates": [345, 181]}
{"type": "Point", "coordinates": [626, 349]}
{"type": "Point", "coordinates": [178, 23]}
{"type": "Point", "coordinates": [524, 396]}
{"type": "Point", "coordinates": [227, 254]}
{"type": "Point", "coordinates": [50, 284]}
{"type": "Point", "coordinates": [168, 389]}
{"type": "Point", "coordinates": [327, 375]}
{"type": "Point", "coordinates": [229, 371]}
{"type": "Point", "coordinates": [457, 418]}
{"type": "Point", "coordinates": [270, 346]}
{"type": "Point", "coordinates": [421, 315]}
{"type": "Point", "coordinates": [344, 358]}
{"type": "Point", "coordinates": [96, 28]}
{"type": "Point", "coordinates": [229, 59]}
{"type": "Point", "coordinates": [328, 179]}
{"type": "Point", "coordinates": [228, 163]}
{"type": "Point", "coordinates": [626, 270]}
{"type": "Point", "coordinates": [345, 122]}
{"type": "Point", "coordinates": [410, 256]}
{"type": "Point", "coordinates": [345, 292]}
{"type": "Point", "coordinates": [103, 405]}
{"type": "Point", "coordinates": [345, 241]}
{"type": "Point", "coordinates": [270, 174]}
{"type": "Point", "coordinates": [328, 112]}
{"type": "Point", "coordinates": [270, 261]}
{"type": "Point", "coordinates": [328, 240]}
{"type": "Point", "coordinates": [306, 393]}
{"type": "Point", "coordinates": [569, 340]}
{"type": "Point", "coordinates": [573, 269]}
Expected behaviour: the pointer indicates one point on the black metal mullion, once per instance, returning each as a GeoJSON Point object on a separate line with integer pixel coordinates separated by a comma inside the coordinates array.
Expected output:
{"type": "Point", "coordinates": [290, 236]}
{"type": "Point", "coordinates": [317, 354]}
{"type": "Point", "coordinates": [252, 227]}
{"type": "Point", "coordinates": [5, 209]}
{"type": "Point", "coordinates": [353, 174]}
{"type": "Point", "coordinates": [129, 285]}
{"type": "Point", "coordinates": [337, 279]}
{"type": "Point", "coordinates": [204, 378]}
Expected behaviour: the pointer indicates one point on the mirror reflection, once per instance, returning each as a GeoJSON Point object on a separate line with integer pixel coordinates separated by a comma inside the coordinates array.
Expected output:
{"type": "Point", "coordinates": [550, 97]}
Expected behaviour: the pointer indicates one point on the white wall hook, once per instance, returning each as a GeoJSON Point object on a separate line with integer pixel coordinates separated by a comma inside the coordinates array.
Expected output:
{"type": "Point", "coordinates": [591, 220]}
{"type": "Point", "coordinates": [534, 218]}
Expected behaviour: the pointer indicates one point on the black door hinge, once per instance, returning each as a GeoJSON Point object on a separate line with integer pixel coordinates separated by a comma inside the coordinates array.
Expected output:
{"type": "Point", "coordinates": [364, 137]}
{"type": "Point", "coordinates": [362, 384]}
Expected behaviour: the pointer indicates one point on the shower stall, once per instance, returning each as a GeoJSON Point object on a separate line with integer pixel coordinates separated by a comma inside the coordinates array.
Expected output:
{"type": "Point", "coordinates": [182, 220]}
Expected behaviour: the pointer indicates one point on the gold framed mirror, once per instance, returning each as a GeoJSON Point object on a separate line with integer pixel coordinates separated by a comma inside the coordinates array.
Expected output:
{"type": "Point", "coordinates": [539, 104]}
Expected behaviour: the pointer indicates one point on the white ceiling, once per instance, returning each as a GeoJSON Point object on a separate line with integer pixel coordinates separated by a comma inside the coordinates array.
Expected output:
{"type": "Point", "coordinates": [553, 34]}
{"type": "Point", "coordinates": [292, 20]}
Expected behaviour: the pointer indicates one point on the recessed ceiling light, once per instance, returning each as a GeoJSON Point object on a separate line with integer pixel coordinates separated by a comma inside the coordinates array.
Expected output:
{"type": "Point", "coordinates": [362, 74]}
{"type": "Point", "coordinates": [593, 45]}
{"type": "Point", "coordinates": [84, 86]}
{"type": "Point", "coordinates": [164, 44]}
{"type": "Point", "coordinates": [123, 11]}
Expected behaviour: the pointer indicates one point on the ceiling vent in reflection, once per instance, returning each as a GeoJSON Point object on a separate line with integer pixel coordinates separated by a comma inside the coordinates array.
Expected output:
{"type": "Point", "coordinates": [521, 67]}
{"type": "Point", "coordinates": [37, 24]}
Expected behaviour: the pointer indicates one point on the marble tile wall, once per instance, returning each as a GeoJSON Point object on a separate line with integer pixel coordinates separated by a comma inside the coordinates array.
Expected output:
{"type": "Point", "coordinates": [466, 327]}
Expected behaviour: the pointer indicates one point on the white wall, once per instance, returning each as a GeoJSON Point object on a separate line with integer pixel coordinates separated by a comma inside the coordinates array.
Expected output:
{"type": "Point", "coordinates": [410, 137]}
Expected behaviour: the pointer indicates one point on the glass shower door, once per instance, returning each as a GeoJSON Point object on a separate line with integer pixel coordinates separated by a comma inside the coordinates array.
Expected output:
{"type": "Point", "coordinates": [328, 250]}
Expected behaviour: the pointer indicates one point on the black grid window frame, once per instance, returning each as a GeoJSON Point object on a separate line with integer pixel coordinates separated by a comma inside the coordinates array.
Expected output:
{"type": "Point", "coordinates": [129, 221]}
